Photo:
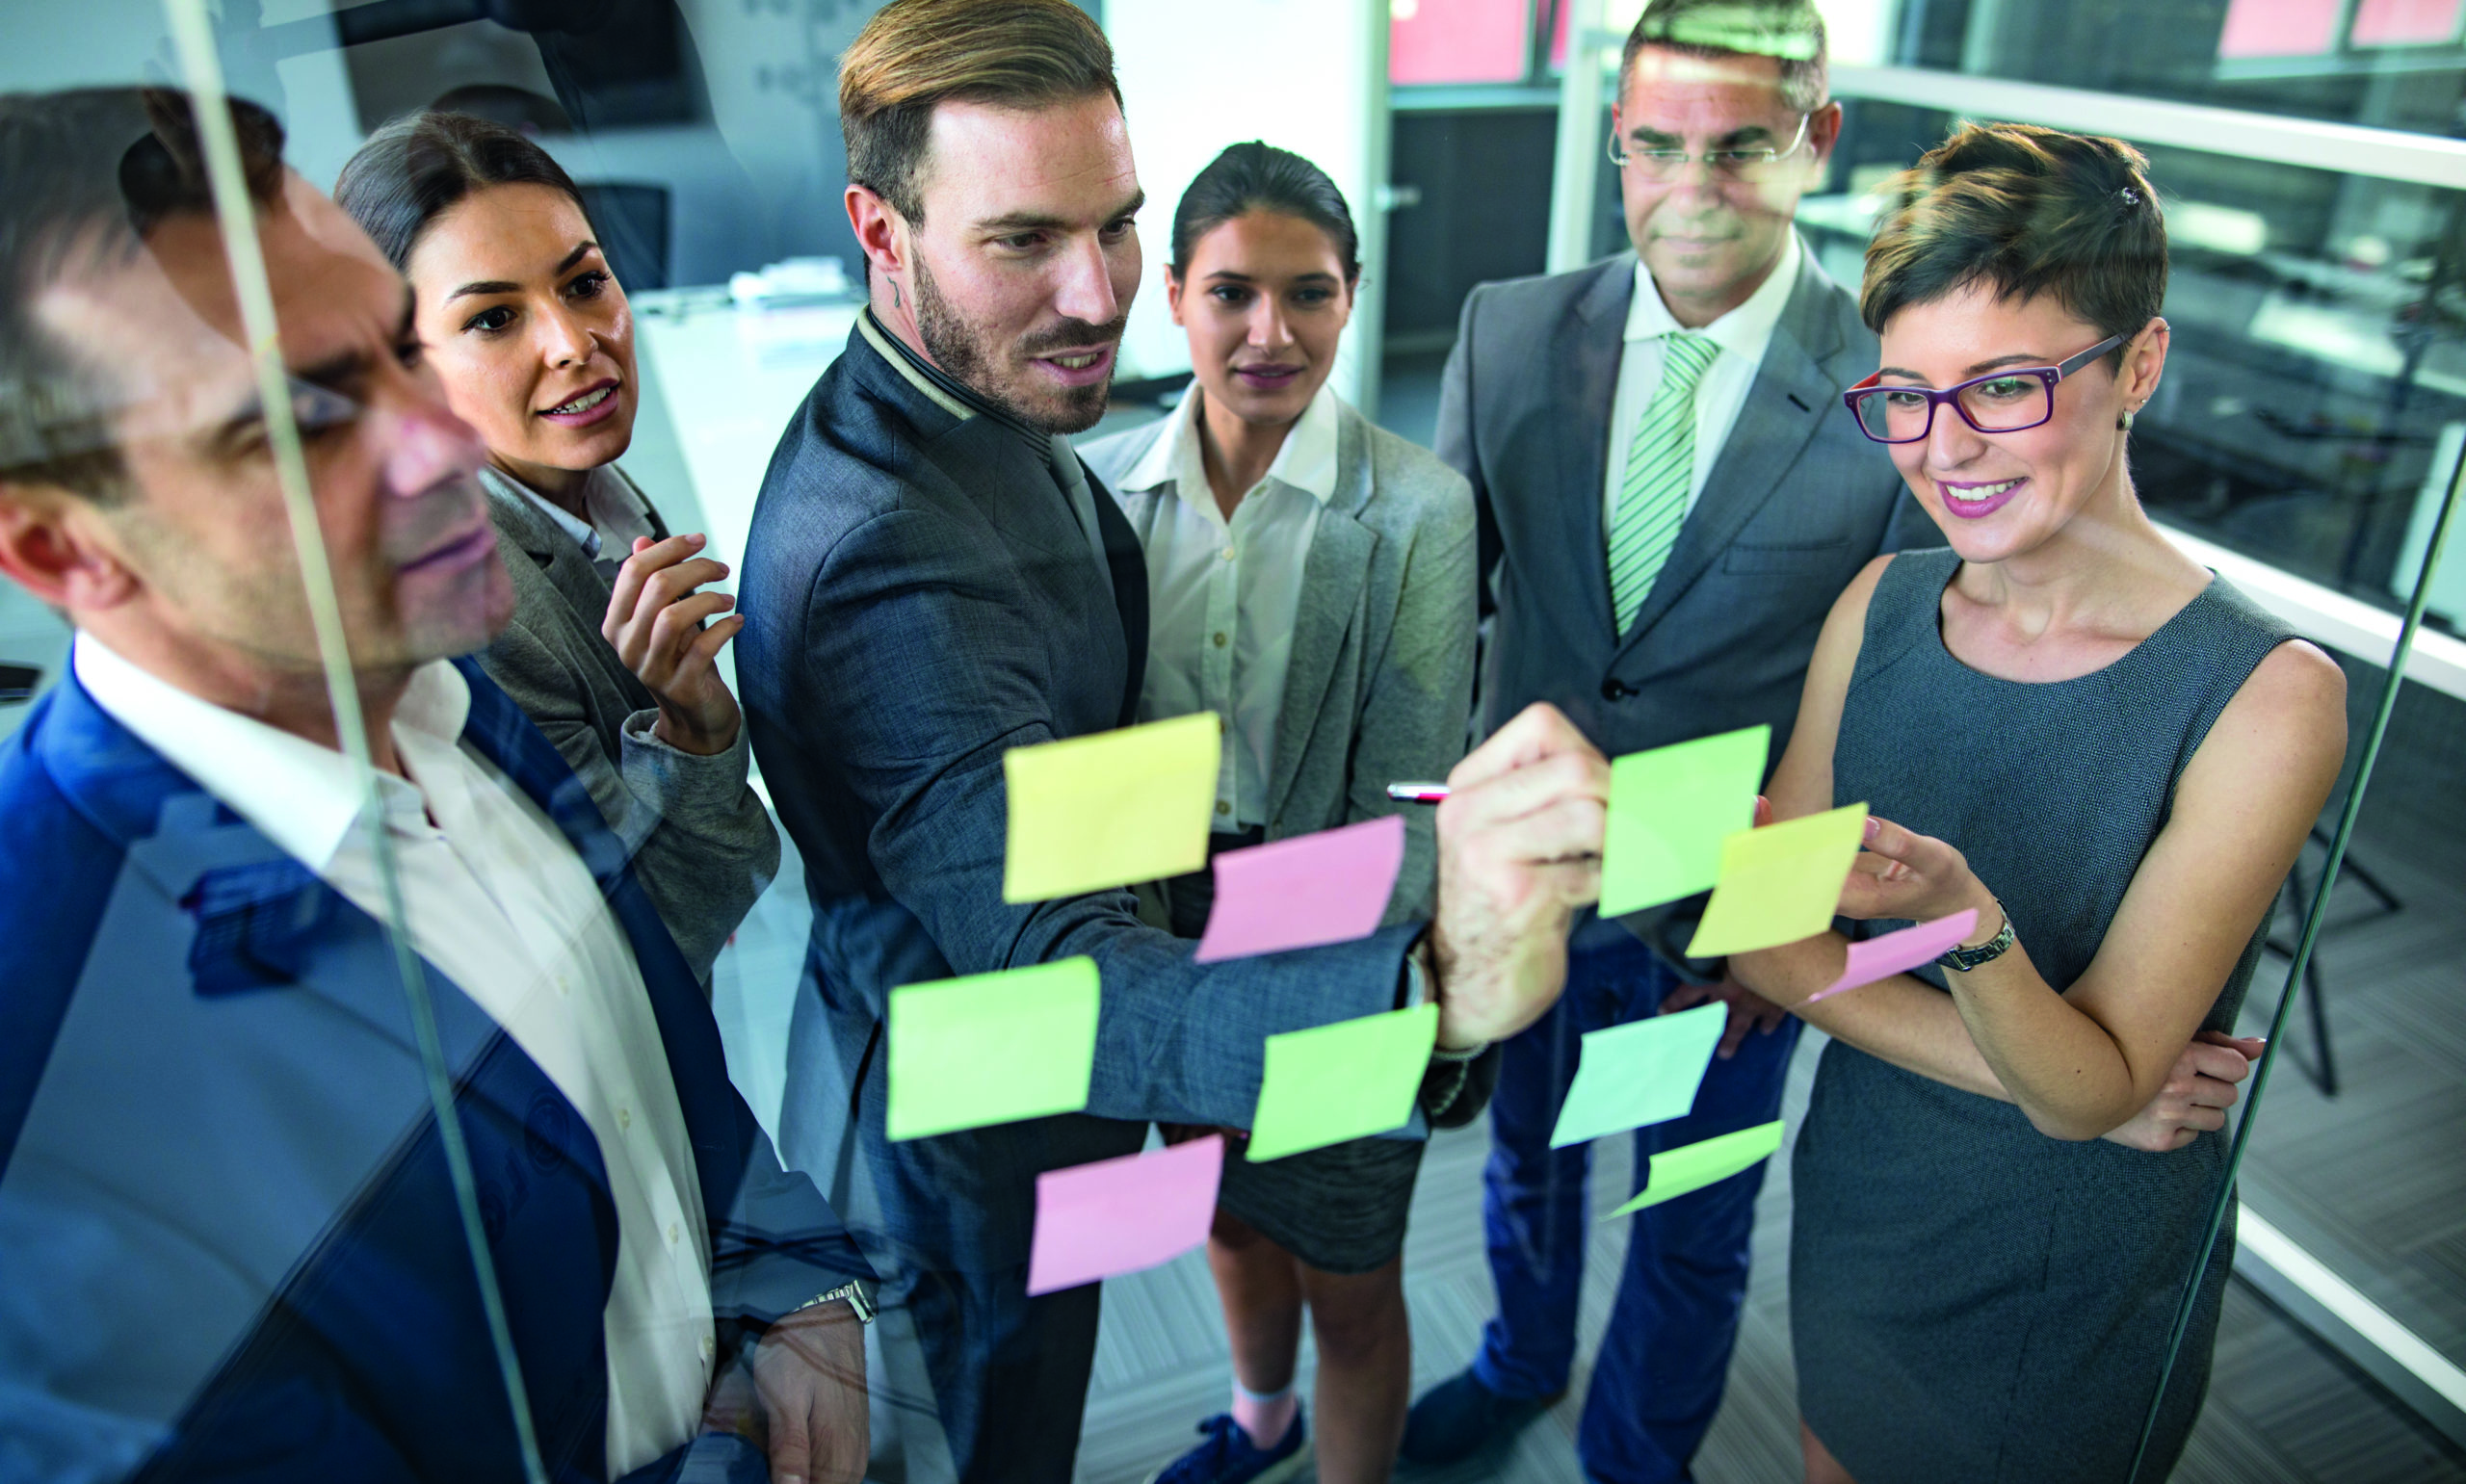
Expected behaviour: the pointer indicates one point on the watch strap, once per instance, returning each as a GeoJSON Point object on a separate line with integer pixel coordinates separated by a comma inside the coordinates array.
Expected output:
{"type": "Point", "coordinates": [859, 1293]}
{"type": "Point", "coordinates": [1961, 960]}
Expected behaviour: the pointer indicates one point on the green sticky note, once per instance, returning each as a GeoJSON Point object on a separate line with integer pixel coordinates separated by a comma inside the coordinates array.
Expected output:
{"type": "Point", "coordinates": [1670, 811]}
{"type": "Point", "coordinates": [1348, 1081]}
{"type": "Point", "coordinates": [1779, 883]}
{"type": "Point", "coordinates": [1644, 1072]}
{"type": "Point", "coordinates": [992, 1048]}
{"type": "Point", "coordinates": [1092, 813]}
{"type": "Point", "coordinates": [1693, 1166]}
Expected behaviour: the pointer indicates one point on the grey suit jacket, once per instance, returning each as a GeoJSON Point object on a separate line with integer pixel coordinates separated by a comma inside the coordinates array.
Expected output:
{"type": "Point", "coordinates": [1795, 503]}
{"type": "Point", "coordinates": [922, 599]}
{"type": "Point", "coordinates": [1381, 679]}
{"type": "Point", "coordinates": [701, 842]}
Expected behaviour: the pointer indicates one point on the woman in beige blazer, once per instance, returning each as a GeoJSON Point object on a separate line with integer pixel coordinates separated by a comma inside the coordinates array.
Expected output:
{"type": "Point", "coordinates": [1311, 582]}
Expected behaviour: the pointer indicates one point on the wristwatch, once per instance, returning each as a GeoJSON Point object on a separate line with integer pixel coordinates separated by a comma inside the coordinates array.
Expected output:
{"type": "Point", "coordinates": [859, 1293]}
{"type": "Point", "coordinates": [1962, 960]}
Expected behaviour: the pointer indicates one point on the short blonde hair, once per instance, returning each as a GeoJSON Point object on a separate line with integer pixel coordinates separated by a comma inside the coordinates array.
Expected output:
{"type": "Point", "coordinates": [915, 54]}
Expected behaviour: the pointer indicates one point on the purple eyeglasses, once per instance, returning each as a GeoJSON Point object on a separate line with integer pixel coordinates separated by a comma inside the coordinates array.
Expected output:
{"type": "Point", "coordinates": [2006, 401]}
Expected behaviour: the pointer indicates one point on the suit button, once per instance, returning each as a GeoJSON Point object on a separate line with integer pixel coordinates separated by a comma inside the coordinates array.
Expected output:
{"type": "Point", "coordinates": [1614, 691]}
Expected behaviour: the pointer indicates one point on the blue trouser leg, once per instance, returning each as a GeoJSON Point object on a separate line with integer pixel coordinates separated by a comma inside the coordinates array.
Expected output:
{"type": "Point", "coordinates": [1666, 1352]}
{"type": "Point", "coordinates": [1533, 1211]}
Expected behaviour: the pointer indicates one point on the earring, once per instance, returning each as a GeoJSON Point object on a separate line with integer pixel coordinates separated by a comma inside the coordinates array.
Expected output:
{"type": "Point", "coordinates": [2123, 423]}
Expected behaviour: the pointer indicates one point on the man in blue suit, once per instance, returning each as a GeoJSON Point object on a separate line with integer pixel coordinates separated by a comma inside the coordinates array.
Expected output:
{"type": "Point", "coordinates": [932, 579]}
{"type": "Point", "coordinates": [234, 1239]}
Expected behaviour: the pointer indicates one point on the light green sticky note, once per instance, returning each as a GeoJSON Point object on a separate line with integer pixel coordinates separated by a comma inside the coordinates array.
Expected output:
{"type": "Point", "coordinates": [1670, 811]}
{"type": "Point", "coordinates": [1348, 1081]}
{"type": "Point", "coordinates": [1092, 813]}
{"type": "Point", "coordinates": [1779, 883]}
{"type": "Point", "coordinates": [1643, 1072]}
{"type": "Point", "coordinates": [992, 1048]}
{"type": "Point", "coordinates": [1693, 1166]}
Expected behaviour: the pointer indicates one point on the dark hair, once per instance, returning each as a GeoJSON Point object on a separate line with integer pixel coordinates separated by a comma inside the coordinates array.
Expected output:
{"type": "Point", "coordinates": [416, 166]}
{"type": "Point", "coordinates": [1258, 176]}
{"type": "Point", "coordinates": [915, 54]}
{"type": "Point", "coordinates": [1790, 32]}
{"type": "Point", "coordinates": [2025, 210]}
{"type": "Point", "coordinates": [90, 172]}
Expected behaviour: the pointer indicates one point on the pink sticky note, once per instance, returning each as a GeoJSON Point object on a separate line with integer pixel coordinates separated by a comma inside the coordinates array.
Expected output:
{"type": "Point", "coordinates": [1117, 1217]}
{"type": "Point", "coordinates": [1896, 953]}
{"type": "Point", "coordinates": [2279, 28]}
{"type": "Point", "coordinates": [1330, 887]}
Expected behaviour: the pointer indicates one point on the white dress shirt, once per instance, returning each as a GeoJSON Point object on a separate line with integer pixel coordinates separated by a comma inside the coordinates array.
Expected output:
{"type": "Point", "coordinates": [617, 511]}
{"type": "Point", "coordinates": [499, 902]}
{"type": "Point", "coordinates": [1222, 596]}
{"type": "Point", "coordinates": [1741, 334]}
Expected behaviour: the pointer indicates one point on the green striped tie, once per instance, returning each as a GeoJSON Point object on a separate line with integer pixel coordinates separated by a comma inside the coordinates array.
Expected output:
{"type": "Point", "coordinates": [1661, 469]}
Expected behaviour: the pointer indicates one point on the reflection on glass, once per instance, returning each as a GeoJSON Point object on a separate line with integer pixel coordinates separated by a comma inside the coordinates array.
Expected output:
{"type": "Point", "coordinates": [1457, 41]}
{"type": "Point", "coordinates": [2318, 371]}
{"type": "Point", "coordinates": [220, 1168]}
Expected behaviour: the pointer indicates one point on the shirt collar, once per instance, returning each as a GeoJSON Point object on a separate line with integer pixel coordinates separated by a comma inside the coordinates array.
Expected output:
{"type": "Point", "coordinates": [1744, 330]}
{"type": "Point", "coordinates": [939, 386]}
{"type": "Point", "coordinates": [302, 797]}
{"type": "Point", "coordinates": [1308, 460]}
{"type": "Point", "coordinates": [608, 498]}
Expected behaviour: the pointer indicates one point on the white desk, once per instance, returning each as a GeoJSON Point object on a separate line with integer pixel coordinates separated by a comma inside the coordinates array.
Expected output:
{"type": "Point", "coordinates": [729, 379]}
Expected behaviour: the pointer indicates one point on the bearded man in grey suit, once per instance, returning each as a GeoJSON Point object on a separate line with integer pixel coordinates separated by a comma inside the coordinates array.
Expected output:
{"type": "Point", "coordinates": [1670, 498]}
{"type": "Point", "coordinates": [932, 579]}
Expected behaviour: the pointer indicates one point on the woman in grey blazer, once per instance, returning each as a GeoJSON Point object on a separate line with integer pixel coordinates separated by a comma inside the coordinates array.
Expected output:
{"type": "Point", "coordinates": [1311, 582]}
{"type": "Point", "coordinates": [608, 652]}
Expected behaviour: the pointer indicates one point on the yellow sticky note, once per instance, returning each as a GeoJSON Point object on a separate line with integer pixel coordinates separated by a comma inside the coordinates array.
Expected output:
{"type": "Point", "coordinates": [992, 1048]}
{"type": "Point", "coordinates": [1779, 883]}
{"type": "Point", "coordinates": [1091, 812]}
{"type": "Point", "coordinates": [1348, 1081]}
{"type": "Point", "coordinates": [1691, 1167]}
{"type": "Point", "coordinates": [1670, 811]}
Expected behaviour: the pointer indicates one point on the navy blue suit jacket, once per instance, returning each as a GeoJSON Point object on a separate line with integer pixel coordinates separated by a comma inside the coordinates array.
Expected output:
{"type": "Point", "coordinates": [919, 600]}
{"type": "Point", "coordinates": [229, 1245]}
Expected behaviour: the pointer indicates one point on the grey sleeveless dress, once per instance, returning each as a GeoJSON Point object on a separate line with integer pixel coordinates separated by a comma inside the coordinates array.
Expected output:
{"type": "Point", "coordinates": [1971, 1300]}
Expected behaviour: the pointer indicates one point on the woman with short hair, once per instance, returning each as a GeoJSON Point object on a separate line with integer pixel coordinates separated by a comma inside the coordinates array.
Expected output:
{"type": "Point", "coordinates": [2109, 753]}
{"type": "Point", "coordinates": [614, 649]}
{"type": "Point", "coordinates": [1310, 580]}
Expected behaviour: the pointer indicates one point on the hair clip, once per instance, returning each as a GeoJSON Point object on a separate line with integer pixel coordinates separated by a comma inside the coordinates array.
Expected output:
{"type": "Point", "coordinates": [2131, 196]}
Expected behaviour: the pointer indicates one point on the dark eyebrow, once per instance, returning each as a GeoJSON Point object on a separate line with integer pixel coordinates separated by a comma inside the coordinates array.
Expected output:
{"type": "Point", "coordinates": [582, 250]}
{"type": "Point", "coordinates": [1729, 141]}
{"type": "Point", "coordinates": [483, 286]}
{"type": "Point", "coordinates": [1977, 369]}
{"type": "Point", "coordinates": [343, 371]}
{"type": "Point", "coordinates": [1029, 221]}
{"type": "Point", "coordinates": [1235, 276]}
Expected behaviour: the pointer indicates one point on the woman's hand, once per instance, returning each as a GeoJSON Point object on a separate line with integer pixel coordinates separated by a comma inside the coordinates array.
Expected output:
{"type": "Point", "coordinates": [655, 623]}
{"type": "Point", "coordinates": [1902, 873]}
{"type": "Point", "coordinates": [2199, 1092]}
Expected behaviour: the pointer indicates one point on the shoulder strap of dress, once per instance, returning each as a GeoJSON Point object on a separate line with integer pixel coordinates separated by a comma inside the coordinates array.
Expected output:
{"type": "Point", "coordinates": [2227, 639]}
{"type": "Point", "coordinates": [1902, 610]}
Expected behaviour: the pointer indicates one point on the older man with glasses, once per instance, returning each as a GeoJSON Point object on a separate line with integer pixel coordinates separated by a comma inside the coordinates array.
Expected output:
{"type": "Point", "coordinates": [1671, 499]}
